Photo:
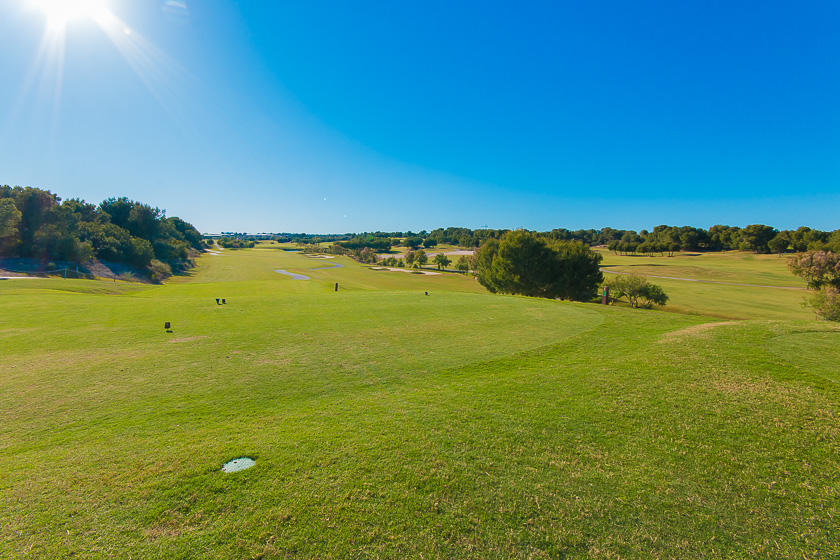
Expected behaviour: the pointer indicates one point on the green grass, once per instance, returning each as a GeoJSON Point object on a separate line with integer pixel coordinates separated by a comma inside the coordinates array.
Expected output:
{"type": "Point", "coordinates": [731, 285]}
{"type": "Point", "coordinates": [390, 424]}
{"type": "Point", "coordinates": [729, 266]}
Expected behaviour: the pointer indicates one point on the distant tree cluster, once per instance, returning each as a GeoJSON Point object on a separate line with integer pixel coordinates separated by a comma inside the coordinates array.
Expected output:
{"type": "Point", "coordinates": [663, 240]}
{"type": "Point", "coordinates": [236, 242]}
{"type": "Point", "coordinates": [758, 238]}
{"type": "Point", "coordinates": [360, 242]}
{"type": "Point", "coordinates": [531, 265]}
{"type": "Point", "coordinates": [35, 223]}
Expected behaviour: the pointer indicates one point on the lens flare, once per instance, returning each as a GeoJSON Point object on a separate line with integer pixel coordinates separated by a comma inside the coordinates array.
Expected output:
{"type": "Point", "coordinates": [61, 12]}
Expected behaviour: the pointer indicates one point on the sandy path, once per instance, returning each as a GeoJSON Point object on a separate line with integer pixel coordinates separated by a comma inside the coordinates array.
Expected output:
{"type": "Point", "coordinates": [427, 272]}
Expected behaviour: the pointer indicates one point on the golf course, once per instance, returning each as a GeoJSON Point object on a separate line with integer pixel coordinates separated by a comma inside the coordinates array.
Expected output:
{"type": "Point", "coordinates": [393, 414]}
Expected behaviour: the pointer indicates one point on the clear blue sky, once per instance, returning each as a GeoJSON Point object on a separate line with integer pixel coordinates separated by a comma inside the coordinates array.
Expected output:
{"type": "Point", "coordinates": [359, 116]}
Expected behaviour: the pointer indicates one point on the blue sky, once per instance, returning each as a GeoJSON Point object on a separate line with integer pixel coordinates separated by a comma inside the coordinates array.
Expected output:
{"type": "Point", "coordinates": [361, 116]}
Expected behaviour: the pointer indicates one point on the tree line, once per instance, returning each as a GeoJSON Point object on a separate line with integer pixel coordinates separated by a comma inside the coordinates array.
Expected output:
{"type": "Point", "coordinates": [35, 223]}
{"type": "Point", "coordinates": [662, 240]}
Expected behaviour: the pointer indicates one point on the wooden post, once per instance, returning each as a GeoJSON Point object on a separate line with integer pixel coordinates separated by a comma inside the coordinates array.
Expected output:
{"type": "Point", "coordinates": [605, 297]}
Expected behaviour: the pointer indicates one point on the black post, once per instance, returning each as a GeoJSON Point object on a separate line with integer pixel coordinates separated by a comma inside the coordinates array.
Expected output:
{"type": "Point", "coordinates": [336, 286]}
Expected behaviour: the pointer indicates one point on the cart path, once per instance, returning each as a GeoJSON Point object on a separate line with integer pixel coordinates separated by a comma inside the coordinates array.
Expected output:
{"type": "Point", "coordinates": [293, 275]}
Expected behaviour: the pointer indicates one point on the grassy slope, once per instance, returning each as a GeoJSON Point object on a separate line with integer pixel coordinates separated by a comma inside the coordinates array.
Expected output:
{"type": "Point", "coordinates": [390, 424]}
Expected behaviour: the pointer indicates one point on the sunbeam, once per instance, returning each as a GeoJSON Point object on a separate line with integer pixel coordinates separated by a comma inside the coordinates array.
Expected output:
{"type": "Point", "coordinates": [61, 12]}
{"type": "Point", "coordinates": [162, 76]}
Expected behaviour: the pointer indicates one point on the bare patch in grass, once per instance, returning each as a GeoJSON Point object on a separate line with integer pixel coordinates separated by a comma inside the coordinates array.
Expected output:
{"type": "Point", "coordinates": [187, 338]}
{"type": "Point", "coordinates": [695, 331]}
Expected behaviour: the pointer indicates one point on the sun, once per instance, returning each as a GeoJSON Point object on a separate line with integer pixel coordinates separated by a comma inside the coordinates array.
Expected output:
{"type": "Point", "coordinates": [61, 12]}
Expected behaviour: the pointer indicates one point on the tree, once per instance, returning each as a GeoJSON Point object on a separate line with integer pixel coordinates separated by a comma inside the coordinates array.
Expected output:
{"type": "Point", "coordinates": [420, 257]}
{"type": "Point", "coordinates": [779, 244]}
{"type": "Point", "coordinates": [522, 263]}
{"type": "Point", "coordinates": [818, 268]}
{"type": "Point", "coordinates": [826, 303]}
{"type": "Point", "coordinates": [756, 237]}
{"type": "Point", "coordinates": [9, 217]}
{"type": "Point", "coordinates": [412, 242]}
{"type": "Point", "coordinates": [638, 291]}
{"type": "Point", "coordinates": [442, 261]}
{"type": "Point", "coordinates": [410, 257]}
{"type": "Point", "coordinates": [821, 270]}
{"type": "Point", "coordinates": [430, 242]}
{"type": "Point", "coordinates": [463, 264]}
{"type": "Point", "coordinates": [580, 270]}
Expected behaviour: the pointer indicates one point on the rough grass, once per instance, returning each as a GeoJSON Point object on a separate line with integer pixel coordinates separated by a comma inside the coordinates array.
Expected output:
{"type": "Point", "coordinates": [389, 424]}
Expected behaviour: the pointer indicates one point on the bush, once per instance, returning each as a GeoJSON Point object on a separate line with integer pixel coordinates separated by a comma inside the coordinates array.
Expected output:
{"type": "Point", "coordinates": [52, 266]}
{"type": "Point", "coordinates": [826, 303]}
{"type": "Point", "coordinates": [160, 271]}
{"type": "Point", "coordinates": [638, 291]}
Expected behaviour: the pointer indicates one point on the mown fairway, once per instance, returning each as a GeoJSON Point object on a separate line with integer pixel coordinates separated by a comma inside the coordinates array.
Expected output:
{"type": "Point", "coordinates": [390, 424]}
{"type": "Point", "coordinates": [731, 285]}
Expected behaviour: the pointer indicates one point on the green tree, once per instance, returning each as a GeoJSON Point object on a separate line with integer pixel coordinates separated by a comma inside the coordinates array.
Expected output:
{"type": "Point", "coordinates": [638, 291]}
{"type": "Point", "coordinates": [821, 270]}
{"type": "Point", "coordinates": [420, 257]}
{"type": "Point", "coordinates": [580, 270]}
{"type": "Point", "coordinates": [755, 237]}
{"type": "Point", "coordinates": [413, 242]}
{"type": "Point", "coordinates": [780, 243]}
{"type": "Point", "coordinates": [522, 263]}
{"type": "Point", "coordinates": [826, 303]}
{"type": "Point", "coordinates": [442, 261]}
{"type": "Point", "coordinates": [9, 217]}
{"type": "Point", "coordinates": [463, 264]}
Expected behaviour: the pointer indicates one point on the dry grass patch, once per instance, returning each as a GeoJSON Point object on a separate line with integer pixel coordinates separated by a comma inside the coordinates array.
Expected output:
{"type": "Point", "coordinates": [696, 331]}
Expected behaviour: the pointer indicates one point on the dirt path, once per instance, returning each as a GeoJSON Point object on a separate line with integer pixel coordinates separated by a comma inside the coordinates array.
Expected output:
{"type": "Point", "coordinates": [708, 281]}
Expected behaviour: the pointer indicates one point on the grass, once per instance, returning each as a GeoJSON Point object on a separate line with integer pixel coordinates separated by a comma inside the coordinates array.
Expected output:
{"type": "Point", "coordinates": [390, 424]}
{"type": "Point", "coordinates": [730, 285]}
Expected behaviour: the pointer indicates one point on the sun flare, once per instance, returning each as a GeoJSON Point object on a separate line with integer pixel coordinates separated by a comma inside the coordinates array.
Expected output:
{"type": "Point", "coordinates": [61, 12]}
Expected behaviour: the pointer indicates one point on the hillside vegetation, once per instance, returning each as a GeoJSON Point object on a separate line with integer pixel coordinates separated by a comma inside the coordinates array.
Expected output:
{"type": "Point", "coordinates": [36, 224]}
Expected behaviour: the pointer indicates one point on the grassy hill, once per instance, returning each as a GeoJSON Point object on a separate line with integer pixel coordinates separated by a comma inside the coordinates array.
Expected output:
{"type": "Point", "coordinates": [390, 424]}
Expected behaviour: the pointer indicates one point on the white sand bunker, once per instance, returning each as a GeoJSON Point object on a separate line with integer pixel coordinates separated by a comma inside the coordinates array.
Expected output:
{"type": "Point", "coordinates": [318, 256]}
{"type": "Point", "coordinates": [412, 270]}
